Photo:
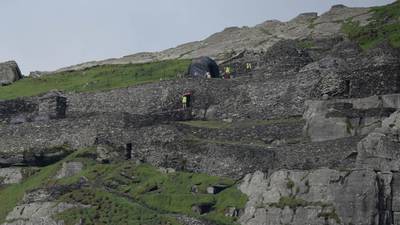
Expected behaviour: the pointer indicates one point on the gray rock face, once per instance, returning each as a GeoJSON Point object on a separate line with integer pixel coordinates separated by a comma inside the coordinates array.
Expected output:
{"type": "Point", "coordinates": [9, 73]}
{"type": "Point", "coordinates": [185, 220]}
{"type": "Point", "coordinates": [37, 213]}
{"type": "Point", "coordinates": [40, 206]}
{"type": "Point", "coordinates": [10, 175]}
{"type": "Point", "coordinates": [380, 149]}
{"type": "Point", "coordinates": [314, 197]}
{"type": "Point", "coordinates": [376, 177]}
{"type": "Point", "coordinates": [69, 169]}
{"type": "Point", "coordinates": [340, 118]}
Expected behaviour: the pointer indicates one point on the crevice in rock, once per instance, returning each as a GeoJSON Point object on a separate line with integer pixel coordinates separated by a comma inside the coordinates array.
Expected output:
{"type": "Point", "coordinates": [384, 204]}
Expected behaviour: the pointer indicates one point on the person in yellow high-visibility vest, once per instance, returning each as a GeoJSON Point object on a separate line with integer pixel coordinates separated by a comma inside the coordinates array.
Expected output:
{"type": "Point", "coordinates": [248, 66]}
{"type": "Point", "coordinates": [184, 101]}
{"type": "Point", "coordinates": [227, 72]}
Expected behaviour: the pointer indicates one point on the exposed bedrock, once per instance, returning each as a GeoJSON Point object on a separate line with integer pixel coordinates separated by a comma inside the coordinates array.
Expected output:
{"type": "Point", "coordinates": [340, 118]}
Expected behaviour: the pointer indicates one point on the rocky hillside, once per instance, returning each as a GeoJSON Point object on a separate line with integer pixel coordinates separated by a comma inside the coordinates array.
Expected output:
{"type": "Point", "coordinates": [261, 37]}
{"type": "Point", "coordinates": [308, 135]}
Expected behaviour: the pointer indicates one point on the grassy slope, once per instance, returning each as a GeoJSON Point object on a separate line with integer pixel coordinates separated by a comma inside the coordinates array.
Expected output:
{"type": "Point", "coordinates": [384, 26]}
{"type": "Point", "coordinates": [96, 78]}
{"type": "Point", "coordinates": [125, 193]}
{"type": "Point", "coordinates": [163, 193]}
{"type": "Point", "coordinates": [107, 208]}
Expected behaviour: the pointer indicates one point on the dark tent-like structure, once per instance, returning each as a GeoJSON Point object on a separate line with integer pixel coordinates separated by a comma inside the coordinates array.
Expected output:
{"type": "Point", "coordinates": [201, 66]}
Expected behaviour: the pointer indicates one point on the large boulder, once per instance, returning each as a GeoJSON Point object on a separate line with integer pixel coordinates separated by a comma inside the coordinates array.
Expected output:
{"type": "Point", "coordinates": [203, 65]}
{"type": "Point", "coordinates": [9, 73]}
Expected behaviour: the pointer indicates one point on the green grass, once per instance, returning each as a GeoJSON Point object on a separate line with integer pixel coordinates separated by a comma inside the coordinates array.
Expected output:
{"type": "Point", "coordinates": [107, 208]}
{"type": "Point", "coordinates": [99, 78]}
{"type": "Point", "coordinates": [163, 193]}
{"type": "Point", "coordinates": [384, 26]}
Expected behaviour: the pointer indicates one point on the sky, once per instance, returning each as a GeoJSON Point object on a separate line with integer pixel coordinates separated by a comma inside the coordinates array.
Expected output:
{"type": "Point", "coordinates": [49, 34]}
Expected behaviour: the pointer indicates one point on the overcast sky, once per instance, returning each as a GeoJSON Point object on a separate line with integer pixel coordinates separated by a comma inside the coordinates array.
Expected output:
{"type": "Point", "coordinates": [49, 34]}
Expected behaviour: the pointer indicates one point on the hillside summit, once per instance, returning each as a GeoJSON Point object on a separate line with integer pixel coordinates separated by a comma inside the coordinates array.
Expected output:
{"type": "Point", "coordinates": [258, 38]}
{"type": "Point", "coordinates": [303, 129]}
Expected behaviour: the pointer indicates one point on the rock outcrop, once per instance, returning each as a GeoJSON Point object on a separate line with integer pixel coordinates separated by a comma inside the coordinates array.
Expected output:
{"type": "Point", "coordinates": [39, 207]}
{"type": "Point", "coordinates": [10, 175]}
{"type": "Point", "coordinates": [9, 73]}
{"type": "Point", "coordinates": [69, 169]}
{"type": "Point", "coordinates": [340, 118]}
{"type": "Point", "coordinates": [314, 197]}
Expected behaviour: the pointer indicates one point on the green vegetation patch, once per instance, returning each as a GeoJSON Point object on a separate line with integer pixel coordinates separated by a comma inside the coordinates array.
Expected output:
{"type": "Point", "coordinates": [99, 78]}
{"type": "Point", "coordinates": [384, 26]}
{"type": "Point", "coordinates": [127, 193]}
{"type": "Point", "coordinates": [107, 208]}
{"type": "Point", "coordinates": [164, 193]}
